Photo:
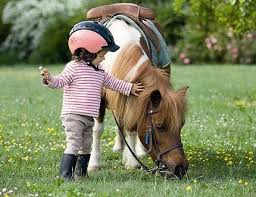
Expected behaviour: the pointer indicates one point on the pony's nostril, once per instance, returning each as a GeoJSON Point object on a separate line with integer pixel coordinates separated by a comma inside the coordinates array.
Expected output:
{"type": "Point", "coordinates": [179, 171]}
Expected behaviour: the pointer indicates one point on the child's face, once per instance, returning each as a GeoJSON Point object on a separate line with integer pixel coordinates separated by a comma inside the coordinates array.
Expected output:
{"type": "Point", "coordinates": [100, 57]}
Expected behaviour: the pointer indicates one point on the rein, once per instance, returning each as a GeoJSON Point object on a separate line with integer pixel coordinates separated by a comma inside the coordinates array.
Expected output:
{"type": "Point", "coordinates": [151, 139]}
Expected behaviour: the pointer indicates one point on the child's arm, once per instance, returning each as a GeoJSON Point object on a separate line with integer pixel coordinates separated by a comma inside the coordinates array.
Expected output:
{"type": "Point", "coordinates": [122, 86]}
{"type": "Point", "coordinates": [66, 77]}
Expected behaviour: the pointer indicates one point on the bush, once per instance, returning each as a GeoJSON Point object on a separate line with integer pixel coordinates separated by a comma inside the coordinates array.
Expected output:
{"type": "Point", "coordinates": [4, 28]}
{"type": "Point", "coordinates": [217, 31]}
{"type": "Point", "coordinates": [10, 57]}
{"type": "Point", "coordinates": [30, 18]}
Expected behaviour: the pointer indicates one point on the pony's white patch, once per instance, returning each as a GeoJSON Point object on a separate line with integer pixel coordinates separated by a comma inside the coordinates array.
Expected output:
{"type": "Point", "coordinates": [123, 34]}
{"type": "Point", "coordinates": [118, 146]}
{"type": "Point", "coordinates": [140, 149]}
{"type": "Point", "coordinates": [134, 70]}
{"type": "Point", "coordinates": [128, 159]}
{"type": "Point", "coordinates": [94, 163]}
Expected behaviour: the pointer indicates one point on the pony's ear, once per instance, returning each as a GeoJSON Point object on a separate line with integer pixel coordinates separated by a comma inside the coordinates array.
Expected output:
{"type": "Point", "coordinates": [182, 91]}
{"type": "Point", "coordinates": [155, 98]}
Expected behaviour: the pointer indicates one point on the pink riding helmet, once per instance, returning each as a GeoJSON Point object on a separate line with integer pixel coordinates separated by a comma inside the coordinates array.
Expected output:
{"type": "Point", "coordinates": [92, 36]}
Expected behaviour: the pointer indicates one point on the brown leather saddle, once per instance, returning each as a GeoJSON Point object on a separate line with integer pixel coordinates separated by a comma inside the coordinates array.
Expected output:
{"type": "Point", "coordinates": [138, 14]}
{"type": "Point", "coordinates": [119, 8]}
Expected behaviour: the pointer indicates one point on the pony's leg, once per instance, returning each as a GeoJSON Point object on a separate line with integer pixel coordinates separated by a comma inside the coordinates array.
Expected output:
{"type": "Point", "coordinates": [95, 159]}
{"type": "Point", "coordinates": [128, 159]}
{"type": "Point", "coordinates": [140, 149]}
{"type": "Point", "coordinates": [119, 145]}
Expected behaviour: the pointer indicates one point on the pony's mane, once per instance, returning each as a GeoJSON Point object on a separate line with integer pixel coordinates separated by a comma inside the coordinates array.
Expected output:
{"type": "Point", "coordinates": [131, 111]}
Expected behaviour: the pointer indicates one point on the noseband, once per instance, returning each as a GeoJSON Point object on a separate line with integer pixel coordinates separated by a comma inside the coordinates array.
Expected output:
{"type": "Point", "coordinates": [160, 164]}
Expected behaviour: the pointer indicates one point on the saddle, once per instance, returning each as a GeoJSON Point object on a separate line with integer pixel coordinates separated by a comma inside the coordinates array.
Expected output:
{"type": "Point", "coordinates": [141, 16]}
{"type": "Point", "coordinates": [119, 8]}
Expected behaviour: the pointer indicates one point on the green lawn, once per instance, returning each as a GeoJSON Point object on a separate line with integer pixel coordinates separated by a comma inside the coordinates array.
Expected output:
{"type": "Point", "coordinates": [219, 138]}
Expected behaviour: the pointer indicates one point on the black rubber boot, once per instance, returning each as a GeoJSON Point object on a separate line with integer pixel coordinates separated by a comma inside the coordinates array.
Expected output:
{"type": "Point", "coordinates": [67, 166]}
{"type": "Point", "coordinates": [81, 165]}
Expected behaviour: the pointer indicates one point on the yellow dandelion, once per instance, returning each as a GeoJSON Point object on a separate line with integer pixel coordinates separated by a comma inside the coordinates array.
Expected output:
{"type": "Point", "coordinates": [25, 158]}
{"type": "Point", "coordinates": [6, 195]}
{"type": "Point", "coordinates": [188, 188]}
{"type": "Point", "coordinates": [194, 181]}
{"type": "Point", "coordinates": [245, 183]}
{"type": "Point", "coordinates": [240, 181]}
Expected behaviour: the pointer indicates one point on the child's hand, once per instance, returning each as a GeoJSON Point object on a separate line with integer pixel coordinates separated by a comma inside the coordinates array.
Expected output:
{"type": "Point", "coordinates": [137, 87]}
{"type": "Point", "coordinates": [45, 75]}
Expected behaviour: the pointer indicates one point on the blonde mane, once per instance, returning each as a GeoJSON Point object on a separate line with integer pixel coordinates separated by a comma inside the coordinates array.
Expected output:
{"type": "Point", "coordinates": [131, 111]}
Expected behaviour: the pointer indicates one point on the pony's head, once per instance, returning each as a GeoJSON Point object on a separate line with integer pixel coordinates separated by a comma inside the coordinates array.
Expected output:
{"type": "Point", "coordinates": [161, 130]}
{"type": "Point", "coordinates": [158, 113]}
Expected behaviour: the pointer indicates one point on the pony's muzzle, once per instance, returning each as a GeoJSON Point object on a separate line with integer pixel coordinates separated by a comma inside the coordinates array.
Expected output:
{"type": "Point", "coordinates": [177, 172]}
{"type": "Point", "coordinates": [180, 171]}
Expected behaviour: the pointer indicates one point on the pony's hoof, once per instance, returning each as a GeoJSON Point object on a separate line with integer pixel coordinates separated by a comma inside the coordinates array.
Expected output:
{"type": "Point", "coordinates": [131, 166]}
{"type": "Point", "coordinates": [117, 149]}
{"type": "Point", "coordinates": [93, 168]}
{"type": "Point", "coordinates": [128, 167]}
{"type": "Point", "coordinates": [141, 153]}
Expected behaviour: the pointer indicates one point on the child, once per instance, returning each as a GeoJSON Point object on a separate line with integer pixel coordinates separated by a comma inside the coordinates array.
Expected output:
{"type": "Point", "coordinates": [83, 81]}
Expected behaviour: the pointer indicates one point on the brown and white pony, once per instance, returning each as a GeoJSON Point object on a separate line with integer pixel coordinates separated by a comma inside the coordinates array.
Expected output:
{"type": "Point", "coordinates": [131, 64]}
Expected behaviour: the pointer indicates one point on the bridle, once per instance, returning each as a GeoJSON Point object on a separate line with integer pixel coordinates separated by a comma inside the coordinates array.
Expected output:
{"type": "Point", "coordinates": [150, 138]}
{"type": "Point", "coordinates": [152, 143]}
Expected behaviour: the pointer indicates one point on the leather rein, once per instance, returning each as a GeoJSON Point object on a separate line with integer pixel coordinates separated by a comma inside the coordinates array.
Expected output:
{"type": "Point", "coordinates": [160, 164]}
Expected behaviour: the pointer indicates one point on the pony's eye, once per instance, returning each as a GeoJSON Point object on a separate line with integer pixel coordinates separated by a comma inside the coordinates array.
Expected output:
{"type": "Point", "coordinates": [160, 127]}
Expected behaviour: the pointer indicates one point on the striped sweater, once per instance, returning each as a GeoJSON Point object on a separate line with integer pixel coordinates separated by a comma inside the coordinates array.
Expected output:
{"type": "Point", "coordinates": [83, 86]}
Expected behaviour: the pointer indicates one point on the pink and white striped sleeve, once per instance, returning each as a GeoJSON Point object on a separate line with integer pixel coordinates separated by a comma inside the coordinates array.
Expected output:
{"type": "Point", "coordinates": [117, 85]}
{"type": "Point", "coordinates": [65, 78]}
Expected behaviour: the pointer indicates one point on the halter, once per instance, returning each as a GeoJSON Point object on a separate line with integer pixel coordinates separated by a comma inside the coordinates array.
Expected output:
{"type": "Point", "coordinates": [160, 164]}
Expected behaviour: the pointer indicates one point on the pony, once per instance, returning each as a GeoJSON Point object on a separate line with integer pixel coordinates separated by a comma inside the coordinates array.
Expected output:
{"type": "Point", "coordinates": [159, 109]}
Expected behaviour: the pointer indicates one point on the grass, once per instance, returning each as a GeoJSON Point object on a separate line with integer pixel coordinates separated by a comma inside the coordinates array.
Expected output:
{"type": "Point", "coordinates": [219, 138]}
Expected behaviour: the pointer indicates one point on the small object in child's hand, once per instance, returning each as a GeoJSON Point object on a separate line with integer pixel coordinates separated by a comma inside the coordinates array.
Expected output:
{"type": "Point", "coordinates": [43, 70]}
